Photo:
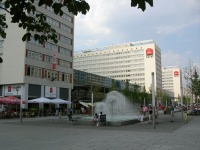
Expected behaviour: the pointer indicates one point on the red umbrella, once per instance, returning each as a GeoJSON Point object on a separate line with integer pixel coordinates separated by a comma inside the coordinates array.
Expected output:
{"type": "Point", "coordinates": [11, 100]}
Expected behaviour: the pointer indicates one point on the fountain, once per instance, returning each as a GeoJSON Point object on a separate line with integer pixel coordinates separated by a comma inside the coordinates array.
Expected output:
{"type": "Point", "coordinates": [118, 109]}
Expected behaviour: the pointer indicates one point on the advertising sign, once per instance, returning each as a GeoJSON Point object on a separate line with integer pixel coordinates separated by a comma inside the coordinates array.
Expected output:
{"type": "Point", "coordinates": [149, 52]}
{"type": "Point", "coordinates": [10, 90]}
{"type": "Point", "coordinates": [176, 73]}
{"type": "Point", "coordinates": [50, 91]}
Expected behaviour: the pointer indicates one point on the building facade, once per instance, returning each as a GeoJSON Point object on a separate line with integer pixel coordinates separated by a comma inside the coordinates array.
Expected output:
{"type": "Point", "coordinates": [31, 70]}
{"type": "Point", "coordinates": [172, 81]}
{"type": "Point", "coordinates": [130, 61]}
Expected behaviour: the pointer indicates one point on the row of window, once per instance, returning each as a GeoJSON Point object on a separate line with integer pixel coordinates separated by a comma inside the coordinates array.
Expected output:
{"type": "Point", "coordinates": [64, 16]}
{"type": "Point", "coordinates": [48, 74]}
{"type": "Point", "coordinates": [52, 47]}
{"type": "Point", "coordinates": [109, 54]}
{"type": "Point", "coordinates": [48, 59]}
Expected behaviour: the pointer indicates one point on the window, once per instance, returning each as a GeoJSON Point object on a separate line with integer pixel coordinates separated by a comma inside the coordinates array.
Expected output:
{"type": "Point", "coordinates": [65, 51]}
{"type": "Point", "coordinates": [49, 74]}
{"type": "Point", "coordinates": [52, 47]}
{"type": "Point", "coordinates": [34, 71]}
{"type": "Point", "coordinates": [65, 40]}
{"type": "Point", "coordinates": [32, 41]}
{"type": "Point", "coordinates": [64, 77]}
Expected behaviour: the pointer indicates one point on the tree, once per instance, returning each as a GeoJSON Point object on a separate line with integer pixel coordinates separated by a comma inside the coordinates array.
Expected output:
{"type": "Point", "coordinates": [165, 98]}
{"type": "Point", "coordinates": [20, 11]}
{"type": "Point", "coordinates": [126, 91]}
{"type": "Point", "coordinates": [191, 76]}
{"type": "Point", "coordinates": [135, 93]}
{"type": "Point", "coordinates": [113, 86]}
{"type": "Point", "coordinates": [97, 94]}
{"type": "Point", "coordinates": [144, 95]}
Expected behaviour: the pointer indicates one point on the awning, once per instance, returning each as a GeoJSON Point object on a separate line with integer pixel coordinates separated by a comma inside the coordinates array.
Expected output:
{"type": "Point", "coordinates": [84, 104]}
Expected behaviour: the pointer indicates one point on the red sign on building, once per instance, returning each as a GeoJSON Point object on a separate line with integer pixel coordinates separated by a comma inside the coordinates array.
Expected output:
{"type": "Point", "coordinates": [149, 52]}
{"type": "Point", "coordinates": [51, 90]}
{"type": "Point", "coordinates": [176, 73]}
{"type": "Point", "coordinates": [9, 88]}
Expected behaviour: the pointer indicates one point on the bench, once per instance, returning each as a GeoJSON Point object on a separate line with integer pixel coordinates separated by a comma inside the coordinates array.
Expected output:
{"type": "Point", "coordinates": [102, 120]}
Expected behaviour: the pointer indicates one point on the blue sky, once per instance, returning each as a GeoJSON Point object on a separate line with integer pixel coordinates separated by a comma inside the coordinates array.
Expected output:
{"type": "Point", "coordinates": [173, 24]}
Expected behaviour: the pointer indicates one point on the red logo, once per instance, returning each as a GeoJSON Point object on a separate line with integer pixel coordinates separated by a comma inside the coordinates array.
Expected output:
{"type": "Point", "coordinates": [9, 88]}
{"type": "Point", "coordinates": [51, 89]}
{"type": "Point", "coordinates": [175, 73]}
{"type": "Point", "coordinates": [149, 52]}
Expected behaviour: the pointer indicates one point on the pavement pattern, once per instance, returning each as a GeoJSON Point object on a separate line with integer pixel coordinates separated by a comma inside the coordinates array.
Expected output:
{"type": "Point", "coordinates": [52, 133]}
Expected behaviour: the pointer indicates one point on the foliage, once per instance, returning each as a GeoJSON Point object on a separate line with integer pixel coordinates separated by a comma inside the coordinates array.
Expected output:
{"type": "Point", "coordinates": [135, 93]}
{"type": "Point", "coordinates": [97, 94]}
{"type": "Point", "coordinates": [165, 97]}
{"type": "Point", "coordinates": [113, 86]}
{"type": "Point", "coordinates": [159, 94]}
{"type": "Point", "coordinates": [191, 76]}
{"type": "Point", "coordinates": [20, 11]}
{"type": "Point", "coordinates": [126, 91]}
{"type": "Point", "coordinates": [144, 94]}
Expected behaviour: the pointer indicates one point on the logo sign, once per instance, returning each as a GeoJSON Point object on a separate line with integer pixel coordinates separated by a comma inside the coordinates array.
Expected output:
{"type": "Point", "coordinates": [11, 90]}
{"type": "Point", "coordinates": [149, 52]}
{"type": "Point", "coordinates": [176, 73]}
{"type": "Point", "coordinates": [50, 91]}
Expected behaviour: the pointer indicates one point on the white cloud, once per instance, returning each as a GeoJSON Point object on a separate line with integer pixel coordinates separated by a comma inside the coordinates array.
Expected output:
{"type": "Point", "coordinates": [171, 59]}
{"type": "Point", "coordinates": [172, 24]}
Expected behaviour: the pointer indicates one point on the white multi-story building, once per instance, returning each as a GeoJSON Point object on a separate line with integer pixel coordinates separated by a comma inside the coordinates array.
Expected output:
{"type": "Point", "coordinates": [172, 81]}
{"type": "Point", "coordinates": [38, 70]}
{"type": "Point", "coordinates": [134, 62]}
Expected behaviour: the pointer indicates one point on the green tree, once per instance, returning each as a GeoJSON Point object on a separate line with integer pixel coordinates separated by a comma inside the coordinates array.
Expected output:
{"type": "Point", "coordinates": [97, 93]}
{"type": "Point", "coordinates": [135, 93]}
{"type": "Point", "coordinates": [191, 76]}
{"type": "Point", "coordinates": [195, 84]}
{"type": "Point", "coordinates": [20, 11]}
{"type": "Point", "coordinates": [159, 94]}
{"type": "Point", "coordinates": [113, 86]}
{"type": "Point", "coordinates": [144, 95]}
{"type": "Point", "coordinates": [126, 91]}
{"type": "Point", "coordinates": [165, 97]}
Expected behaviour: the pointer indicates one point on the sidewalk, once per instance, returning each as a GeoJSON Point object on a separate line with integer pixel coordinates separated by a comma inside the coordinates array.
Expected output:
{"type": "Point", "coordinates": [50, 133]}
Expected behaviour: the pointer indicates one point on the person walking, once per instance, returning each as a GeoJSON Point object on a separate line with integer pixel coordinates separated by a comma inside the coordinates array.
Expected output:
{"type": "Point", "coordinates": [185, 117]}
{"type": "Point", "coordinates": [141, 114]}
{"type": "Point", "coordinates": [95, 119]}
{"type": "Point", "coordinates": [150, 114]}
{"type": "Point", "coordinates": [172, 113]}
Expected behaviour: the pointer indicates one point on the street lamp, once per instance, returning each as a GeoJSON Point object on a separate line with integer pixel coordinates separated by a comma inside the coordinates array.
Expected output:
{"type": "Point", "coordinates": [17, 89]}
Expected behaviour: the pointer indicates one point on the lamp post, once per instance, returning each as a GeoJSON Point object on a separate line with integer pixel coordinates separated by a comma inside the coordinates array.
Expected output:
{"type": "Point", "coordinates": [153, 100]}
{"type": "Point", "coordinates": [17, 89]}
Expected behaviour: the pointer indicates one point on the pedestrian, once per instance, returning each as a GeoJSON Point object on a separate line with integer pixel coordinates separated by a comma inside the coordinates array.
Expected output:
{"type": "Point", "coordinates": [185, 117]}
{"type": "Point", "coordinates": [95, 119]}
{"type": "Point", "coordinates": [150, 114]}
{"type": "Point", "coordinates": [172, 113]}
{"type": "Point", "coordinates": [145, 110]}
{"type": "Point", "coordinates": [141, 114]}
{"type": "Point", "coordinates": [99, 118]}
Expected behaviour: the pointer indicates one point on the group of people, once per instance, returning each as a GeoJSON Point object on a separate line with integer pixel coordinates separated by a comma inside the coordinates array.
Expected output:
{"type": "Point", "coordinates": [143, 110]}
{"type": "Point", "coordinates": [96, 118]}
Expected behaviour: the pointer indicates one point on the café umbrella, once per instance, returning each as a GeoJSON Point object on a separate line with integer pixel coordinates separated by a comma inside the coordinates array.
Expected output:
{"type": "Point", "coordinates": [41, 100]}
{"type": "Point", "coordinates": [11, 100]}
{"type": "Point", "coordinates": [60, 101]}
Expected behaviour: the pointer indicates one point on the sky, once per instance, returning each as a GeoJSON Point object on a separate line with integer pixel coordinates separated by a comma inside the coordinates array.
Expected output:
{"type": "Point", "coordinates": [173, 24]}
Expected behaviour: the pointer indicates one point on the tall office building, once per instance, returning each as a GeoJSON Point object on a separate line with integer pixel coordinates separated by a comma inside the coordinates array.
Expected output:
{"type": "Point", "coordinates": [31, 70]}
{"type": "Point", "coordinates": [172, 81]}
{"type": "Point", "coordinates": [134, 62]}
